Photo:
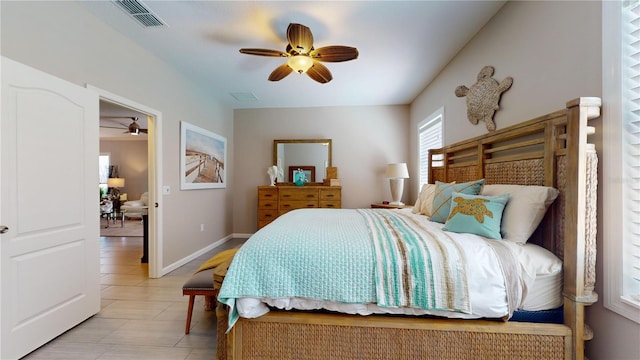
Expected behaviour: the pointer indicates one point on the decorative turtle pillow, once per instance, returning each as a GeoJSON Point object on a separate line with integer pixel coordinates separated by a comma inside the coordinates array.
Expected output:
{"type": "Point", "coordinates": [476, 214]}
{"type": "Point", "coordinates": [441, 204]}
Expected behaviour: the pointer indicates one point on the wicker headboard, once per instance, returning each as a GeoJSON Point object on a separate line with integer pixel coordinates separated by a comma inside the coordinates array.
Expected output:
{"type": "Point", "coordinates": [550, 150]}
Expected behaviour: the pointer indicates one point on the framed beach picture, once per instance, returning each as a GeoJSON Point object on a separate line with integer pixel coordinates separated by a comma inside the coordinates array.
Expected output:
{"type": "Point", "coordinates": [203, 158]}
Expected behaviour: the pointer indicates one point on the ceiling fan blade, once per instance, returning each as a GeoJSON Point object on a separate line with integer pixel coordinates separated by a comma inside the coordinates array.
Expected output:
{"type": "Point", "coordinates": [264, 52]}
{"type": "Point", "coordinates": [112, 127]}
{"type": "Point", "coordinates": [335, 53]}
{"type": "Point", "coordinates": [280, 72]}
{"type": "Point", "coordinates": [118, 117]}
{"type": "Point", "coordinates": [319, 73]}
{"type": "Point", "coordinates": [145, 131]}
{"type": "Point", "coordinates": [300, 38]}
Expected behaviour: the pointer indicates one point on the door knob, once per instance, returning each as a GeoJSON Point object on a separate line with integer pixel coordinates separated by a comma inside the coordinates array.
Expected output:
{"type": "Point", "coordinates": [3, 229]}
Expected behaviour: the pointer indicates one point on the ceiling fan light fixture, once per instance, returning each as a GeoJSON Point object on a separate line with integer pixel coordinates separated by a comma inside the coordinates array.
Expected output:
{"type": "Point", "coordinates": [300, 63]}
{"type": "Point", "coordinates": [134, 129]}
{"type": "Point", "coordinates": [303, 57]}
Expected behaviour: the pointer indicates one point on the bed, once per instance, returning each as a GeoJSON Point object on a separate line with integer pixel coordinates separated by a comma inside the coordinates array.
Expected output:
{"type": "Point", "coordinates": [548, 152]}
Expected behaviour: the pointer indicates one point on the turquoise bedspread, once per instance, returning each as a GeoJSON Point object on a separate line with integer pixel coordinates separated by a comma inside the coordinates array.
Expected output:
{"type": "Point", "coordinates": [324, 254]}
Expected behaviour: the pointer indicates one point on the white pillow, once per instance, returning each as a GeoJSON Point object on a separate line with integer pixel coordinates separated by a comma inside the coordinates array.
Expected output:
{"type": "Point", "coordinates": [424, 203]}
{"type": "Point", "coordinates": [525, 209]}
{"type": "Point", "coordinates": [422, 197]}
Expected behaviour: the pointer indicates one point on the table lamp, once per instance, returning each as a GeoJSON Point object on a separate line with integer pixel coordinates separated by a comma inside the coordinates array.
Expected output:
{"type": "Point", "coordinates": [115, 184]}
{"type": "Point", "coordinates": [396, 174]}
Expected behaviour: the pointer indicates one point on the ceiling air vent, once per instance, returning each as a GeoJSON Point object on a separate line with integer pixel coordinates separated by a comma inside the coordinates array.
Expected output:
{"type": "Point", "coordinates": [140, 12]}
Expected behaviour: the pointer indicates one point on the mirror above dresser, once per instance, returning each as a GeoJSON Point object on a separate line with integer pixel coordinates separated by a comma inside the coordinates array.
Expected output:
{"type": "Point", "coordinates": [313, 156]}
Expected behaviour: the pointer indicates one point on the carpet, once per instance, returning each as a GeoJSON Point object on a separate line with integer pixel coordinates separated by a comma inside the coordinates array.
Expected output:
{"type": "Point", "coordinates": [132, 227]}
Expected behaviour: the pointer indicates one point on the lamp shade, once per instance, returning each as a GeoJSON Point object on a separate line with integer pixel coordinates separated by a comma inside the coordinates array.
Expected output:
{"type": "Point", "coordinates": [115, 182]}
{"type": "Point", "coordinates": [300, 63]}
{"type": "Point", "coordinates": [397, 171]}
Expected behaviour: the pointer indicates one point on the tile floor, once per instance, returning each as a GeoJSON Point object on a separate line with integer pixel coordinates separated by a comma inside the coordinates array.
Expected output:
{"type": "Point", "coordinates": [140, 318]}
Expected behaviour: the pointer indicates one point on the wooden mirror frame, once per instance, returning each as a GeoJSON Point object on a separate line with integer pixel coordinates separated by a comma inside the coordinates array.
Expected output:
{"type": "Point", "coordinates": [302, 141]}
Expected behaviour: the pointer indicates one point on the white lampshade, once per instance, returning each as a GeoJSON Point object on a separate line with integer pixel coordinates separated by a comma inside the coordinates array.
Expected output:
{"type": "Point", "coordinates": [397, 171]}
{"type": "Point", "coordinates": [300, 63]}
{"type": "Point", "coordinates": [115, 182]}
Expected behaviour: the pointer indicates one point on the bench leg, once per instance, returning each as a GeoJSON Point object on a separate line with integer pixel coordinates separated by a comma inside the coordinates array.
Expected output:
{"type": "Point", "coordinates": [189, 312]}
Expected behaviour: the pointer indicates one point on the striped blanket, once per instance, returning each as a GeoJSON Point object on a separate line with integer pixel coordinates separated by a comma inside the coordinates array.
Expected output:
{"type": "Point", "coordinates": [416, 267]}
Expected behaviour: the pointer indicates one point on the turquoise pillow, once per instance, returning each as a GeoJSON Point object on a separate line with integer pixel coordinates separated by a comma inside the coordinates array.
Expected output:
{"type": "Point", "coordinates": [476, 214]}
{"type": "Point", "coordinates": [442, 197]}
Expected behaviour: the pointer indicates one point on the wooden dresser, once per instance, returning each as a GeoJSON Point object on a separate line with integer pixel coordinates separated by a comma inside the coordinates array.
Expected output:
{"type": "Point", "coordinates": [274, 201]}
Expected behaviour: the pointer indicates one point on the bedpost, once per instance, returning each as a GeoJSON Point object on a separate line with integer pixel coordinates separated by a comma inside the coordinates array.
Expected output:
{"type": "Point", "coordinates": [579, 239]}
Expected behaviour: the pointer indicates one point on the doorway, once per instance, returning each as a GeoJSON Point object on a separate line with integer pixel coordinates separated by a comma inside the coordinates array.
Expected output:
{"type": "Point", "coordinates": [150, 120]}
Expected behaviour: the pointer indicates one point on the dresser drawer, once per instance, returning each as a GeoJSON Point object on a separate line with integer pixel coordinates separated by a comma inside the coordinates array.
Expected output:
{"type": "Point", "coordinates": [299, 194]}
{"type": "Point", "coordinates": [331, 204]}
{"type": "Point", "coordinates": [267, 215]}
{"type": "Point", "coordinates": [330, 194]}
{"type": "Point", "coordinates": [268, 204]}
{"type": "Point", "coordinates": [268, 193]}
{"type": "Point", "coordinates": [292, 205]}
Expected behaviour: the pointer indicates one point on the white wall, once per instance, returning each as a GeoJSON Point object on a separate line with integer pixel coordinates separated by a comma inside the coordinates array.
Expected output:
{"type": "Point", "coordinates": [553, 51]}
{"type": "Point", "coordinates": [65, 40]}
{"type": "Point", "coordinates": [364, 141]}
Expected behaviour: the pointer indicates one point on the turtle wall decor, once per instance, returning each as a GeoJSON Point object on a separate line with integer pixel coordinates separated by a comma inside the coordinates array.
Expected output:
{"type": "Point", "coordinates": [483, 97]}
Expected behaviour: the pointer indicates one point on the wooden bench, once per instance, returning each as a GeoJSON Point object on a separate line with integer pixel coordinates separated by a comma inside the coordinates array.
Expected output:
{"type": "Point", "coordinates": [201, 283]}
{"type": "Point", "coordinates": [207, 283]}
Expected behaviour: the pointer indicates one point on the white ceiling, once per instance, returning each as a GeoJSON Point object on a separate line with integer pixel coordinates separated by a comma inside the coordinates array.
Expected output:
{"type": "Point", "coordinates": [402, 45]}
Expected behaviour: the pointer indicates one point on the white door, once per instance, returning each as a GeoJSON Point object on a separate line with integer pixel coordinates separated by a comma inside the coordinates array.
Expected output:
{"type": "Point", "coordinates": [50, 253]}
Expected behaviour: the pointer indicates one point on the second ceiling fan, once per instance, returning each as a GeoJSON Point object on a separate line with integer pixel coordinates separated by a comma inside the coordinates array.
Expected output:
{"type": "Point", "coordinates": [303, 57]}
{"type": "Point", "coordinates": [133, 128]}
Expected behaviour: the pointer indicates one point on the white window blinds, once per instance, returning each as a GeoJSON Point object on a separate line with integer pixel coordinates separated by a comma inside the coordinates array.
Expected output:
{"type": "Point", "coordinates": [429, 137]}
{"type": "Point", "coordinates": [621, 157]}
{"type": "Point", "coordinates": [631, 150]}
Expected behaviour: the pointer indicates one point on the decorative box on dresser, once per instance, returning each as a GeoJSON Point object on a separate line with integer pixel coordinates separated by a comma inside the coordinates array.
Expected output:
{"type": "Point", "coordinates": [274, 201]}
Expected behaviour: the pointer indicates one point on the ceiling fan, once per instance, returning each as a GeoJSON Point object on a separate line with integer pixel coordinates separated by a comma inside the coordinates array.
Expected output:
{"type": "Point", "coordinates": [303, 57]}
{"type": "Point", "coordinates": [133, 128]}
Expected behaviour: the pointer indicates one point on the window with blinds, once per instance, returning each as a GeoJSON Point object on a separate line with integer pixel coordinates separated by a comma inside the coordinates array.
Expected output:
{"type": "Point", "coordinates": [430, 134]}
{"type": "Point", "coordinates": [621, 156]}
{"type": "Point", "coordinates": [631, 149]}
{"type": "Point", "coordinates": [103, 171]}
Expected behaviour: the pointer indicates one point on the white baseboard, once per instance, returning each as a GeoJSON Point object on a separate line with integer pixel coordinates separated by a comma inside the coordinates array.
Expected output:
{"type": "Point", "coordinates": [196, 254]}
{"type": "Point", "coordinates": [240, 236]}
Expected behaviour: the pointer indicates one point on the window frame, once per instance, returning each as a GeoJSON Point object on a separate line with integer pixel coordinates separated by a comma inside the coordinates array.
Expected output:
{"type": "Point", "coordinates": [612, 169]}
{"type": "Point", "coordinates": [423, 161]}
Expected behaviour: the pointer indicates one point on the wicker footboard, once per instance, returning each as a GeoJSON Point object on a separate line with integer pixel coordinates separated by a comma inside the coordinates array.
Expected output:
{"type": "Point", "coordinates": [297, 335]}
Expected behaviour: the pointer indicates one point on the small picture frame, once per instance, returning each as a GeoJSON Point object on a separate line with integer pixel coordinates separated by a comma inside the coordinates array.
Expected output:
{"type": "Point", "coordinates": [309, 172]}
{"type": "Point", "coordinates": [203, 158]}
